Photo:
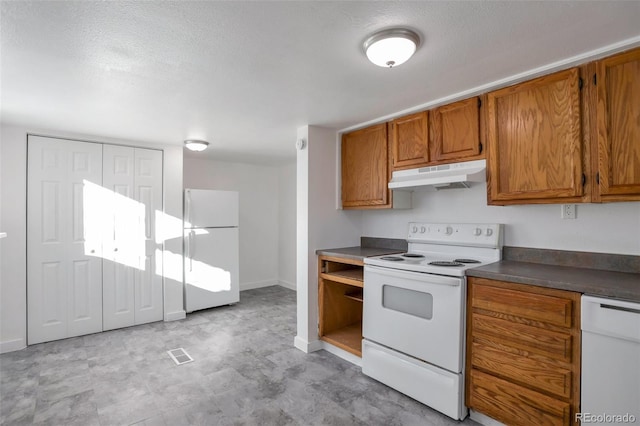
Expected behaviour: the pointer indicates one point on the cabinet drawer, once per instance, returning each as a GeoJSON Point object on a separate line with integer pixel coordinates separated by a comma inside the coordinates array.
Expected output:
{"type": "Point", "coordinates": [549, 343]}
{"type": "Point", "coordinates": [522, 368]}
{"type": "Point", "coordinates": [513, 404]}
{"type": "Point", "coordinates": [537, 307]}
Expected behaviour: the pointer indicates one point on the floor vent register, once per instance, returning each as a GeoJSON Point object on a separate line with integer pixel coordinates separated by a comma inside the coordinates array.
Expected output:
{"type": "Point", "coordinates": [180, 356]}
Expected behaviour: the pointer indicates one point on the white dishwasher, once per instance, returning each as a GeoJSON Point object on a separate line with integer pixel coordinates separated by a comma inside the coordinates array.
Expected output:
{"type": "Point", "coordinates": [610, 361]}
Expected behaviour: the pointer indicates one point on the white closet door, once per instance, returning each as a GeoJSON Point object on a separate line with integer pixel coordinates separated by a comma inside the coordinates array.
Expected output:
{"type": "Point", "coordinates": [132, 280]}
{"type": "Point", "coordinates": [148, 277]}
{"type": "Point", "coordinates": [64, 274]}
{"type": "Point", "coordinates": [122, 241]}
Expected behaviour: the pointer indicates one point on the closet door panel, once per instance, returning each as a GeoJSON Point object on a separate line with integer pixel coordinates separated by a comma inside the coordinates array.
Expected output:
{"type": "Point", "coordinates": [119, 237]}
{"type": "Point", "coordinates": [84, 279]}
{"type": "Point", "coordinates": [64, 284]}
{"type": "Point", "coordinates": [148, 277]}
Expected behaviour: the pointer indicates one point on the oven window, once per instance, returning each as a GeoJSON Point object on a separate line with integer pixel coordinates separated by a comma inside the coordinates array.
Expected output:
{"type": "Point", "coordinates": [410, 302]}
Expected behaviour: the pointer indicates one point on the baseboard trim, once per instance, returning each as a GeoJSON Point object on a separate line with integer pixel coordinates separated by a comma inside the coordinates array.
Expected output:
{"type": "Point", "coordinates": [175, 316]}
{"type": "Point", "coordinates": [483, 419]}
{"type": "Point", "coordinates": [287, 284]}
{"type": "Point", "coordinates": [12, 345]}
{"type": "Point", "coordinates": [341, 353]}
{"type": "Point", "coordinates": [258, 284]}
{"type": "Point", "coordinates": [306, 346]}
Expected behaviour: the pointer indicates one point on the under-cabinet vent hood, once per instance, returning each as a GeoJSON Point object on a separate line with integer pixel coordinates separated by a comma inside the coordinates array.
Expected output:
{"type": "Point", "coordinates": [444, 176]}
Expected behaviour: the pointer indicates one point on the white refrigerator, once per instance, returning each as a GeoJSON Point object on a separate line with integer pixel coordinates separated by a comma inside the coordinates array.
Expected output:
{"type": "Point", "coordinates": [211, 248]}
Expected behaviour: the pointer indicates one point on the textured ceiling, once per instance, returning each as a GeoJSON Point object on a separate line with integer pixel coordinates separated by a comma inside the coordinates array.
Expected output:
{"type": "Point", "coordinates": [246, 75]}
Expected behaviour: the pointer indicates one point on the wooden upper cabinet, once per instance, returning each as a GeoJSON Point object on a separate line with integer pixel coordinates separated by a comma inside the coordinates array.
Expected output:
{"type": "Point", "coordinates": [618, 127]}
{"type": "Point", "coordinates": [410, 141]}
{"type": "Point", "coordinates": [456, 131]}
{"type": "Point", "coordinates": [535, 141]}
{"type": "Point", "coordinates": [365, 168]}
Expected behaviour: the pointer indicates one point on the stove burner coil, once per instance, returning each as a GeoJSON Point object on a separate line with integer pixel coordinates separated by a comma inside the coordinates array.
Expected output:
{"type": "Point", "coordinates": [392, 258]}
{"type": "Point", "coordinates": [412, 255]}
{"type": "Point", "coordinates": [445, 263]}
{"type": "Point", "coordinates": [466, 260]}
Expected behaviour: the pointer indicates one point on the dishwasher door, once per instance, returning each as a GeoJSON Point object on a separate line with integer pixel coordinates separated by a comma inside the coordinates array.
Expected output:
{"type": "Point", "coordinates": [610, 361]}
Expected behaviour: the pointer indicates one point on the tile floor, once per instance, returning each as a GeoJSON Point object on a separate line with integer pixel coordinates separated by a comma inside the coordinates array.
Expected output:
{"type": "Point", "coordinates": [246, 372]}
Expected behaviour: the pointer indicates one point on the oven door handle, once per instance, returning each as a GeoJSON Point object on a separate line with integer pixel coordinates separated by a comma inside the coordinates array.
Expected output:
{"type": "Point", "coordinates": [416, 276]}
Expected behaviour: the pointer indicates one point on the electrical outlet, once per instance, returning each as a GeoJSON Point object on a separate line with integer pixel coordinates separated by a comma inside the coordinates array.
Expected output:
{"type": "Point", "coordinates": [568, 211]}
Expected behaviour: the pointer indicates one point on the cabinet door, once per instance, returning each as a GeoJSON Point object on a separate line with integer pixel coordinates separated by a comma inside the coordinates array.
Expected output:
{"type": "Point", "coordinates": [365, 168]}
{"type": "Point", "coordinates": [618, 121]}
{"type": "Point", "coordinates": [456, 130]}
{"type": "Point", "coordinates": [410, 141]}
{"type": "Point", "coordinates": [534, 146]}
{"type": "Point", "coordinates": [64, 269]}
{"type": "Point", "coordinates": [523, 352]}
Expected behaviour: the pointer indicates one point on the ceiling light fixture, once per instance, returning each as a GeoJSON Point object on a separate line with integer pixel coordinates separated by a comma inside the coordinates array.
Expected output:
{"type": "Point", "coordinates": [392, 47]}
{"type": "Point", "coordinates": [196, 145]}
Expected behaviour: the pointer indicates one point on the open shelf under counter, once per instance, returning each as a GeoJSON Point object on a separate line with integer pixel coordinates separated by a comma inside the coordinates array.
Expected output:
{"type": "Point", "coordinates": [348, 338]}
{"type": "Point", "coordinates": [354, 277]}
{"type": "Point", "coordinates": [340, 286]}
{"type": "Point", "coordinates": [340, 294]}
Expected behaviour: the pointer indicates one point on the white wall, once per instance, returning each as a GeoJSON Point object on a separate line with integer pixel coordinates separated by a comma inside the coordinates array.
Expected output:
{"type": "Point", "coordinates": [287, 225]}
{"type": "Point", "coordinates": [319, 224]}
{"type": "Point", "coordinates": [605, 228]}
{"type": "Point", "coordinates": [13, 178]}
{"type": "Point", "coordinates": [259, 213]}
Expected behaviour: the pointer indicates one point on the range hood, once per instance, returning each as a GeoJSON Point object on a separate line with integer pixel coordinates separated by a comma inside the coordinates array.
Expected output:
{"type": "Point", "coordinates": [444, 176]}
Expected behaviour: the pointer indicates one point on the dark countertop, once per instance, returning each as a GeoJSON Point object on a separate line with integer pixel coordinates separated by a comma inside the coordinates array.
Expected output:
{"type": "Point", "coordinates": [357, 253]}
{"type": "Point", "coordinates": [596, 282]}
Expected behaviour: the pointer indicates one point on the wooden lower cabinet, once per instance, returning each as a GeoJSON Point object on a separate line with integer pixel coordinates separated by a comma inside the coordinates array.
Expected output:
{"type": "Point", "coordinates": [340, 284]}
{"type": "Point", "coordinates": [523, 353]}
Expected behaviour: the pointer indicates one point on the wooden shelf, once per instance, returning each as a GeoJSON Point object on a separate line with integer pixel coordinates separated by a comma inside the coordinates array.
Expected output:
{"type": "Point", "coordinates": [340, 288]}
{"type": "Point", "coordinates": [348, 338]}
{"type": "Point", "coordinates": [356, 295]}
{"type": "Point", "coordinates": [353, 277]}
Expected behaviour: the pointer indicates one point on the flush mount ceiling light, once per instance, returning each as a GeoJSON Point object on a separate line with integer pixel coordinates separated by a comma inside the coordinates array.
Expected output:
{"type": "Point", "coordinates": [392, 47]}
{"type": "Point", "coordinates": [196, 145]}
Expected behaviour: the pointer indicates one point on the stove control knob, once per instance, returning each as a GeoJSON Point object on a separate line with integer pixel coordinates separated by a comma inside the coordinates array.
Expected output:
{"type": "Point", "coordinates": [423, 229]}
{"type": "Point", "coordinates": [415, 229]}
{"type": "Point", "coordinates": [477, 232]}
{"type": "Point", "coordinates": [448, 231]}
{"type": "Point", "coordinates": [489, 232]}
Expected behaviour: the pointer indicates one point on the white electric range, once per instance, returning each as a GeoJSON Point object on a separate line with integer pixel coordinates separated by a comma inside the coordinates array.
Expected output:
{"type": "Point", "coordinates": [414, 311]}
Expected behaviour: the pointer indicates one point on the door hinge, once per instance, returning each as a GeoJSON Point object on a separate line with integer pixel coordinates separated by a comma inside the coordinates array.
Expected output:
{"type": "Point", "coordinates": [598, 178]}
{"type": "Point", "coordinates": [480, 148]}
{"type": "Point", "coordinates": [595, 79]}
{"type": "Point", "coordinates": [584, 179]}
{"type": "Point", "coordinates": [580, 83]}
{"type": "Point", "coordinates": [479, 102]}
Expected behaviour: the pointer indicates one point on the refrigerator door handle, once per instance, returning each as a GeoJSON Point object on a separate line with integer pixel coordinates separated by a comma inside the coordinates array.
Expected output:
{"type": "Point", "coordinates": [187, 246]}
{"type": "Point", "coordinates": [188, 206]}
{"type": "Point", "coordinates": [190, 251]}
